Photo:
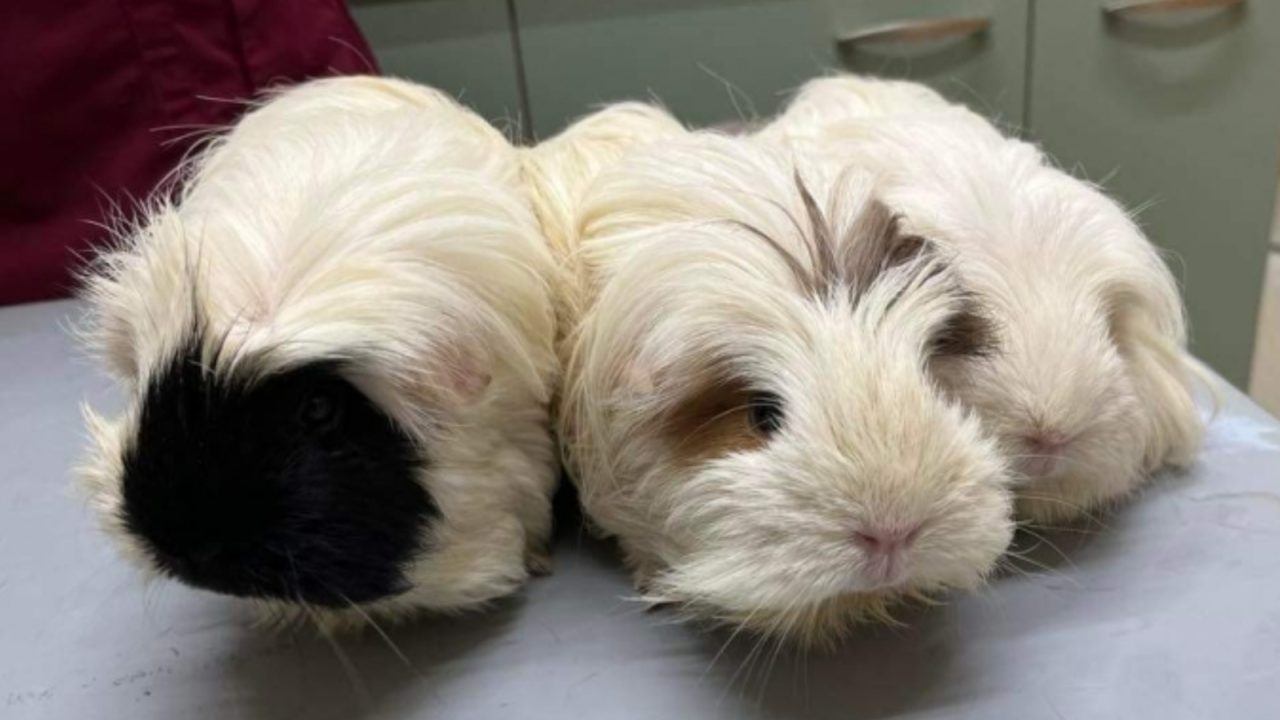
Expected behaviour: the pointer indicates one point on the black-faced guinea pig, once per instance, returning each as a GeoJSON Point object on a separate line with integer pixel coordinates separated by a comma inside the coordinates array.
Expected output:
{"type": "Point", "coordinates": [337, 347]}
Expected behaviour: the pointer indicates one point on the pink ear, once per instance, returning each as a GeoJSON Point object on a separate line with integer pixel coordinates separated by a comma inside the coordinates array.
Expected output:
{"type": "Point", "coordinates": [639, 379]}
{"type": "Point", "coordinates": [465, 372]}
{"type": "Point", "coordinates": [469, 382]}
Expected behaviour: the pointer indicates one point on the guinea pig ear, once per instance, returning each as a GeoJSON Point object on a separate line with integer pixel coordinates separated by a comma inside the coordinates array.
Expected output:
{"type": "Point", "coordinates": [639, 379]}
{"type": "Point", "coordinates": [1149, 332]}
{"type": "Point", "coordinates": [463, 373]}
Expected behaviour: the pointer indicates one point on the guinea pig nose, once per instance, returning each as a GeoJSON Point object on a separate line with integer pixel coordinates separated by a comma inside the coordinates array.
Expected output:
{"type": "Point", "coordinates": [1043, 451]}
{"type": "Point", "coordinates": [886, 539]}
{"type": "Point", "coordinates": [1050, 441]}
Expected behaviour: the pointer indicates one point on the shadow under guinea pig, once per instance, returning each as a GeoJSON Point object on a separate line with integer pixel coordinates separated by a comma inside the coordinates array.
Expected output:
{"type": "Point", "coordinates": [1053, 552]}
{"type": "Point", "coordinates": [879, 671]}
{"type": "Point", "coordinates": [376, 670]}
{"type": "Point", "coordinates": [575, 642]}
{"type": "Point", "coordinates": [301, 673]}
{"type": "Point", "coordinates": [939, 661]}
{"type": "Point", "coordinates": [926, 666]}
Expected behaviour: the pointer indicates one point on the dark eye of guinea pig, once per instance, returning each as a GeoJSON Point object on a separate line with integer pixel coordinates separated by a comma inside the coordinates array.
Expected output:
{"type": "Point", "coordinates": [764, 412]}
{"type": "Point", "coordinates": [320, 409]}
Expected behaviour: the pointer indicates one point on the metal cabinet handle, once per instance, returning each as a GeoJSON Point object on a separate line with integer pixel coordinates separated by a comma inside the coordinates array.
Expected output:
{"type": "Point", "coordinates": [916, 31]}
{"type": "Point", "coordinates": [1122, 8]}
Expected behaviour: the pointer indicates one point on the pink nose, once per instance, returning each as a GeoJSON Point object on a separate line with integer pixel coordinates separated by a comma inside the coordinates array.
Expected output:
{"type": "Point", "coordinates": [886, 539]}
{"type": "Point", "coordinates": [1044, 450]}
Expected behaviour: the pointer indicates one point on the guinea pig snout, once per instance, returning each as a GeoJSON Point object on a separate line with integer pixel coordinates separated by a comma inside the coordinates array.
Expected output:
{"type": "Point", "coordinates": [886, 539]}
{"type": "Point", "coordinates": [296, 489]}
{"type": "Point", "coordinates": [886, 547]}
{"type": "Point", "coordinates": [1042, 452]}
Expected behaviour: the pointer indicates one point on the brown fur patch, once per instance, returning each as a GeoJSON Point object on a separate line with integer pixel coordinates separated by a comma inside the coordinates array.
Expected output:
{"type": "Point", "coordinates": [875, 244]}
{"type": "Point", "coordinates": [822, 251]}
{"type": "Point", "coordinates": [872, 245]}
{"type": "Point", "coordinates": [712, 418]}
{"type": "Point", "coordinates": [866, 249]}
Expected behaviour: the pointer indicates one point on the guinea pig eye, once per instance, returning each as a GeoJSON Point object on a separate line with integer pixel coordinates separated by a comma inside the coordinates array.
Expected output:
{"type": "Point", "coordinates": [764, 412]}
{"type": "Point", "coordinates": [319, 409]}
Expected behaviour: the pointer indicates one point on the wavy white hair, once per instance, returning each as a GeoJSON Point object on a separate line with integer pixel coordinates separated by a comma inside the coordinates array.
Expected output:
{"type": "Point", "coordinates": [380, 223]}
{"type": "Point", "coordinates": [559, 170]}
{"type": "Point", "coordinates": [1091, 336]}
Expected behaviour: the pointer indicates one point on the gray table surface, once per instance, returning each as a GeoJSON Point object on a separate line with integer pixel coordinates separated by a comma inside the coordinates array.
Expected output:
{"type": "Point", "coordinates": [1172, 610]}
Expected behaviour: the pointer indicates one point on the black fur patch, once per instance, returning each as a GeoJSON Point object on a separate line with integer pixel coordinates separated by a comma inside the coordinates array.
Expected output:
{"type": "Point", "coordinates": [294, 487]}
{"type": "Point", "coordinates": [967, 333]}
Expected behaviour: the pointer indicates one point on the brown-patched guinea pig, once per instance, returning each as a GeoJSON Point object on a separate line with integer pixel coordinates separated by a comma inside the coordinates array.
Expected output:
{"type": "Point", "coordinates": [749, 403]}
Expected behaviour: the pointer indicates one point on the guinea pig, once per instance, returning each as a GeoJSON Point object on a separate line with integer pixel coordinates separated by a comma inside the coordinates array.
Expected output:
{"type": "Point", "coordinates": [748, 405]}
{"type": "Point", "coordinates": [337, 344]}
{"type": "Point", "coordinates": [1090, 391]}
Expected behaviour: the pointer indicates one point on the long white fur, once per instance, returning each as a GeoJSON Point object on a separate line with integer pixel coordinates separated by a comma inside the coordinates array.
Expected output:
{"type": "Point", "coordinates": [1092, 340]}
{"type": "Point", "coordinates": [379, 221]}
{"type": "Point", "coordinates": [558, 172]}
{"type": "Point", "coordinates": [762, 537]}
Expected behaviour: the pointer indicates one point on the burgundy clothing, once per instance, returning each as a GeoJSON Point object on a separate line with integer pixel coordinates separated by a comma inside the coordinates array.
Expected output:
{"type": "Point", "coordinates": [100, 99]}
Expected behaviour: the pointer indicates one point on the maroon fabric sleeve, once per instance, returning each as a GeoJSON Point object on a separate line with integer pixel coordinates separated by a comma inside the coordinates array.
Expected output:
{"type": "Point", "coordinates": [102, 99]}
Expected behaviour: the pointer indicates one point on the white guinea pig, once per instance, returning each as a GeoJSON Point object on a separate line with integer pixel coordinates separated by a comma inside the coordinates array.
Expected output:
{"type": "Point", "coordinates": [337, 343]}
{"type": "Point", "coordinates": [748, 405]}
{"type": "Point", "coordinates": [1089, 391]}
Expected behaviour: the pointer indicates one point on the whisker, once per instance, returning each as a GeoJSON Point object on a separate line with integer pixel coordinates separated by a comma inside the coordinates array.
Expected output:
{"type": "Point", "coordinates": [349, 667]}
{"type": "Point", "coordinates": [395, 649]}
{"type": "Point", "coordinates": [1041, 539]}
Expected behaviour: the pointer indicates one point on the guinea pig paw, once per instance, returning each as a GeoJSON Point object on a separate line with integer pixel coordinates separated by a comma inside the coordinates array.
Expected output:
{"type": "Point", "coordinates": [653, 606]}
{"type": "Point", "coordinates": [642, 580]}
{"type": "Point", "coordinates": [538, 562]}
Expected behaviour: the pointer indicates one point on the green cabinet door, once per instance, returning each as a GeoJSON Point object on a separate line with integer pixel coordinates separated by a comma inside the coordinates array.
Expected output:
{"type": "Point", "coordinates": [712, 61]}
{"type": "Point", "coordinates": [972, 51]}
{"type": "Point", "coordinates": [1177, 112]}
{"type": "Point", "coordinates": [709, 61]}
{"type": "Point", "coordinates": [460, 46]}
